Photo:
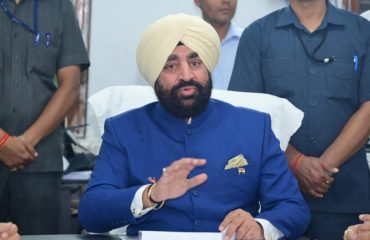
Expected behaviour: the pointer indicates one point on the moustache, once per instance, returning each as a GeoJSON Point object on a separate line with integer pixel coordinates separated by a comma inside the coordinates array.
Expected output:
{"type": "Point", "coordinates": [190, 83]}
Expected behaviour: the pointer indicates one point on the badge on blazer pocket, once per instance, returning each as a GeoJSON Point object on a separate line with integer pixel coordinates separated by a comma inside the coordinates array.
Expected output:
{"type": "Point", "coordinates": [235, 166]}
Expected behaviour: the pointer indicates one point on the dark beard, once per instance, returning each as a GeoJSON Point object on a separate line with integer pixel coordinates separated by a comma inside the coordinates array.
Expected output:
{"type": "Point", "coordinates": [176, 105]}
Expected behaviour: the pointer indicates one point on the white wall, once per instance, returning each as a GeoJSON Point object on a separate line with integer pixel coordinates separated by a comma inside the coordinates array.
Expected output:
{"type": "Point", "coordinates": [116, 27]}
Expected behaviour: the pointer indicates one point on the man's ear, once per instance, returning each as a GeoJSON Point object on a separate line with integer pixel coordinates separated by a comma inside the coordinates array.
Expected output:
{"type": "Point", "coordinates": [197, 2]}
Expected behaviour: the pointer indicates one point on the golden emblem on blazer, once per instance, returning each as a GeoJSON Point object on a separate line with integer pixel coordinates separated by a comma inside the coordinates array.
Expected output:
{"type": "Point", "coordinates": [236, 162]}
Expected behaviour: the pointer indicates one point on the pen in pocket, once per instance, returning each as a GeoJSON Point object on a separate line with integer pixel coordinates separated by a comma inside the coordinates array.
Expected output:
{"type": "Point", "coordinates": [48, 39]}
{"type": "Point", "coordinates": [355, 62]}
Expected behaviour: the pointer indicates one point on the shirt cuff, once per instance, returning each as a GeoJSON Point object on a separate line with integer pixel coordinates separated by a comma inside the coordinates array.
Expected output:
{"type": "Point", "coordinates": [269, 231]}
{"type": "Point", "coordinates": [137, 203]}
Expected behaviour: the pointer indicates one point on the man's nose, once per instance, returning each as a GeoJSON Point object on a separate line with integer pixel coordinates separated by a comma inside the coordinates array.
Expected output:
{"type": "Point", "coordinates": [186, 73]}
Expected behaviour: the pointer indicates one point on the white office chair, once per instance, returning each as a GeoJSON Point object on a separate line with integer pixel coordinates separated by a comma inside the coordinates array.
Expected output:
{"type": "Point", "coordinates": [366, 14]}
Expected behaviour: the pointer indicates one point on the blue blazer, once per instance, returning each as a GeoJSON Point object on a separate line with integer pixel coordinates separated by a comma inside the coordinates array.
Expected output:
{"type": "Point", "coordinates": [138, 144]}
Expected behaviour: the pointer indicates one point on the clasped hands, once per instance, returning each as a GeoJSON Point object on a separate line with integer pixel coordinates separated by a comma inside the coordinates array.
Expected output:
{"type": "Point", "coordinates": [359, 231]}
{"type": "Point", "coordinates": [9, 231]}
{"type": "Point", "coordinates": [314, 177]}
{"type": "Point", "coordinates": [17, 153]}
{"type": "Point", "coordinates": [174, 183]}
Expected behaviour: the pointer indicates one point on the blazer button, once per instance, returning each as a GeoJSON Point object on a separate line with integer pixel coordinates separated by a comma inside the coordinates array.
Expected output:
{"type": "Point", "coordinates": [195, 193]}
{"type": "Point", "coordinates": [198, 222]}
{"type": "Point", "coordinates": [189, 131]}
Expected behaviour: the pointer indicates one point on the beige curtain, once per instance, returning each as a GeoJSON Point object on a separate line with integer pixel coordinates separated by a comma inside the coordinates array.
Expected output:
{"type": "Point", "coordinates": [77, 117]}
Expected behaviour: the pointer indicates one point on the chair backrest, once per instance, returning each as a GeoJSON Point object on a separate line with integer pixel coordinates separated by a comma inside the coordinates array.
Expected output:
{"type": "Point", "coordinates": [285, 118]}
{"type": "Point", "coordinates": [366, 14]}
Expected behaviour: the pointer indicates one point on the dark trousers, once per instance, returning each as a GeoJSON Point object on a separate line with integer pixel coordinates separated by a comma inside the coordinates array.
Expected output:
{"type": "Point", "coordinates": [330, 226]}
{"type": "Point", "coordinates": [31, 200]}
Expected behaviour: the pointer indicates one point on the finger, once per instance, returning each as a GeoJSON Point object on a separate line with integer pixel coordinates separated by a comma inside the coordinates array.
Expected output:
{"type": "Point", "coordinates": [361, 227]}
{"type": "Point", "coordinates": [350, 234]}
{"type": "Point", "coordinates": [28, 146]}
{"type": "Point", "coordinates": [322, 189]}
{"type": "Point", "coordinates": [329, 182]}
{"type": "Point", "coordinates": [330, 171]}
{"type": "Point", "coordinates": [315, 194]}
{"type": "Point", "coordinates": [4, 235]}
{"type": "Point", "coordinates": [364, 235]}
{"type": "Point", "coordinates": [13, 229]}
{"type": "Point", "coordinates": [326, 178]}
{"type": "Point", "coordinates": [176, 171]}
{"type": "Point", "coordinates": [320, 186]}
{"type": "Point", "coordinates": [191, 163]}
{"type": "Point", "coordinates": [197, 180]}
{"type": "Point", "coordinates": [184, 166]}
{"type": "Point", "coordinates": [244, 231]}
{"type": "Point", "coordinates": [20, 150]}
{"type": "Point", "coordinates": [234, 226]}
{"type": "Point", "coordinates": [199, 161]}
{"type": "Point", "coordinates": [15, 237]}
{"type": "Point", "coordinates": [365, 217]}
{"type": "Point", "coordinates": [227, 220]}
{"type": "Point", "coordinates": [5, 226]}
{"type": "Point", "coordinates": [31, 150]}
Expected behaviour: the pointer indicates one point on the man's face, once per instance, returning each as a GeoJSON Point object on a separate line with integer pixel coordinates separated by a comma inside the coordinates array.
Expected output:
{"type": "Point", "coordinates": [184, 85]}
{"type": "Point", "coordinates": [217, 12]}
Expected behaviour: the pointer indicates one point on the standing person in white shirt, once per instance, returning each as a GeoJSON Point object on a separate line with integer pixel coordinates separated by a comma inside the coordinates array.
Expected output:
{"type": "Point", "coordinates": [219, 14]}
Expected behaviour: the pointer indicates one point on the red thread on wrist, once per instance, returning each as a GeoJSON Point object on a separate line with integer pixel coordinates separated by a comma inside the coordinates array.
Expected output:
{"type": "Point", "coordinates": [151, 187]}
{"type": "Point", "coordinates": [161, 203]}
{"type": "Point", "coordinates": [296, 162]}
{"type": "Point", "coordinates": [4, 139]}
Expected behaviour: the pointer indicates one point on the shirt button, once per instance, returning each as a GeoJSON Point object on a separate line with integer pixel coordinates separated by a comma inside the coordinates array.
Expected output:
{"type": "Point", "coordinates": [313, 139]}
{"type": "Point", "coordinates": [15, 109]}
{"type": "Point", "coordinates": [198, 222]}
{"type": "Point", "coordinates": [189, 131]}
{"type": "Point", "coordinates": [16, 58]}
{"type": "Point", "coordinates": [195, 193]}
{"type": "Point", "coordinates": [15, 35]}
{"type": "Point", "coordinates": [312, 70]}
{"type": "Point", "coordinates": [313, 103]}
{"type": "Point", "coordinates": [310, 39]}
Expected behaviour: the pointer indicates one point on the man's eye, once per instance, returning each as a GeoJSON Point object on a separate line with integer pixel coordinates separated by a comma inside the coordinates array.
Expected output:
{"type": "Point", "coordinates": [195, 63]}
{"type": "Point", "coordinates": [169, 66]}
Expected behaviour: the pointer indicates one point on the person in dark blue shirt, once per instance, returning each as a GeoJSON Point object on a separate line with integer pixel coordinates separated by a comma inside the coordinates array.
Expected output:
{"type": "Point", "coordinates": [317, 57]}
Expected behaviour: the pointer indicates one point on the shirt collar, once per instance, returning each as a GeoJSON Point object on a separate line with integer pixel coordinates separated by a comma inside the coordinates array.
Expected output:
{"type": "Point", "coordinates": [233, 31]}
{"type": "Point", "coordinates": [165, 115]}
{"type": "Point", "coordinates": [288, 17]}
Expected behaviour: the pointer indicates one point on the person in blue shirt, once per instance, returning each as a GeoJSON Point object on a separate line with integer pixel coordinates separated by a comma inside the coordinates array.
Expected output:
{"type": "Point", "coordinates": [219, 14]}
{"type": "Point", "coordinates": [188, 162]}
{"type": "Point", "coordinates": [317, 57]}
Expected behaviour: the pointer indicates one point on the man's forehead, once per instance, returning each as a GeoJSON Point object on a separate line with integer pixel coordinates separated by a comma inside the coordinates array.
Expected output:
{"type": "Point", "coordinates": [181, 51]}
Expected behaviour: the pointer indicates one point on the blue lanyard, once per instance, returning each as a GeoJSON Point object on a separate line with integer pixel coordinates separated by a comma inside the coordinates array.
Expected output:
{"type": "Point", "coordinates": [20, 22]}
